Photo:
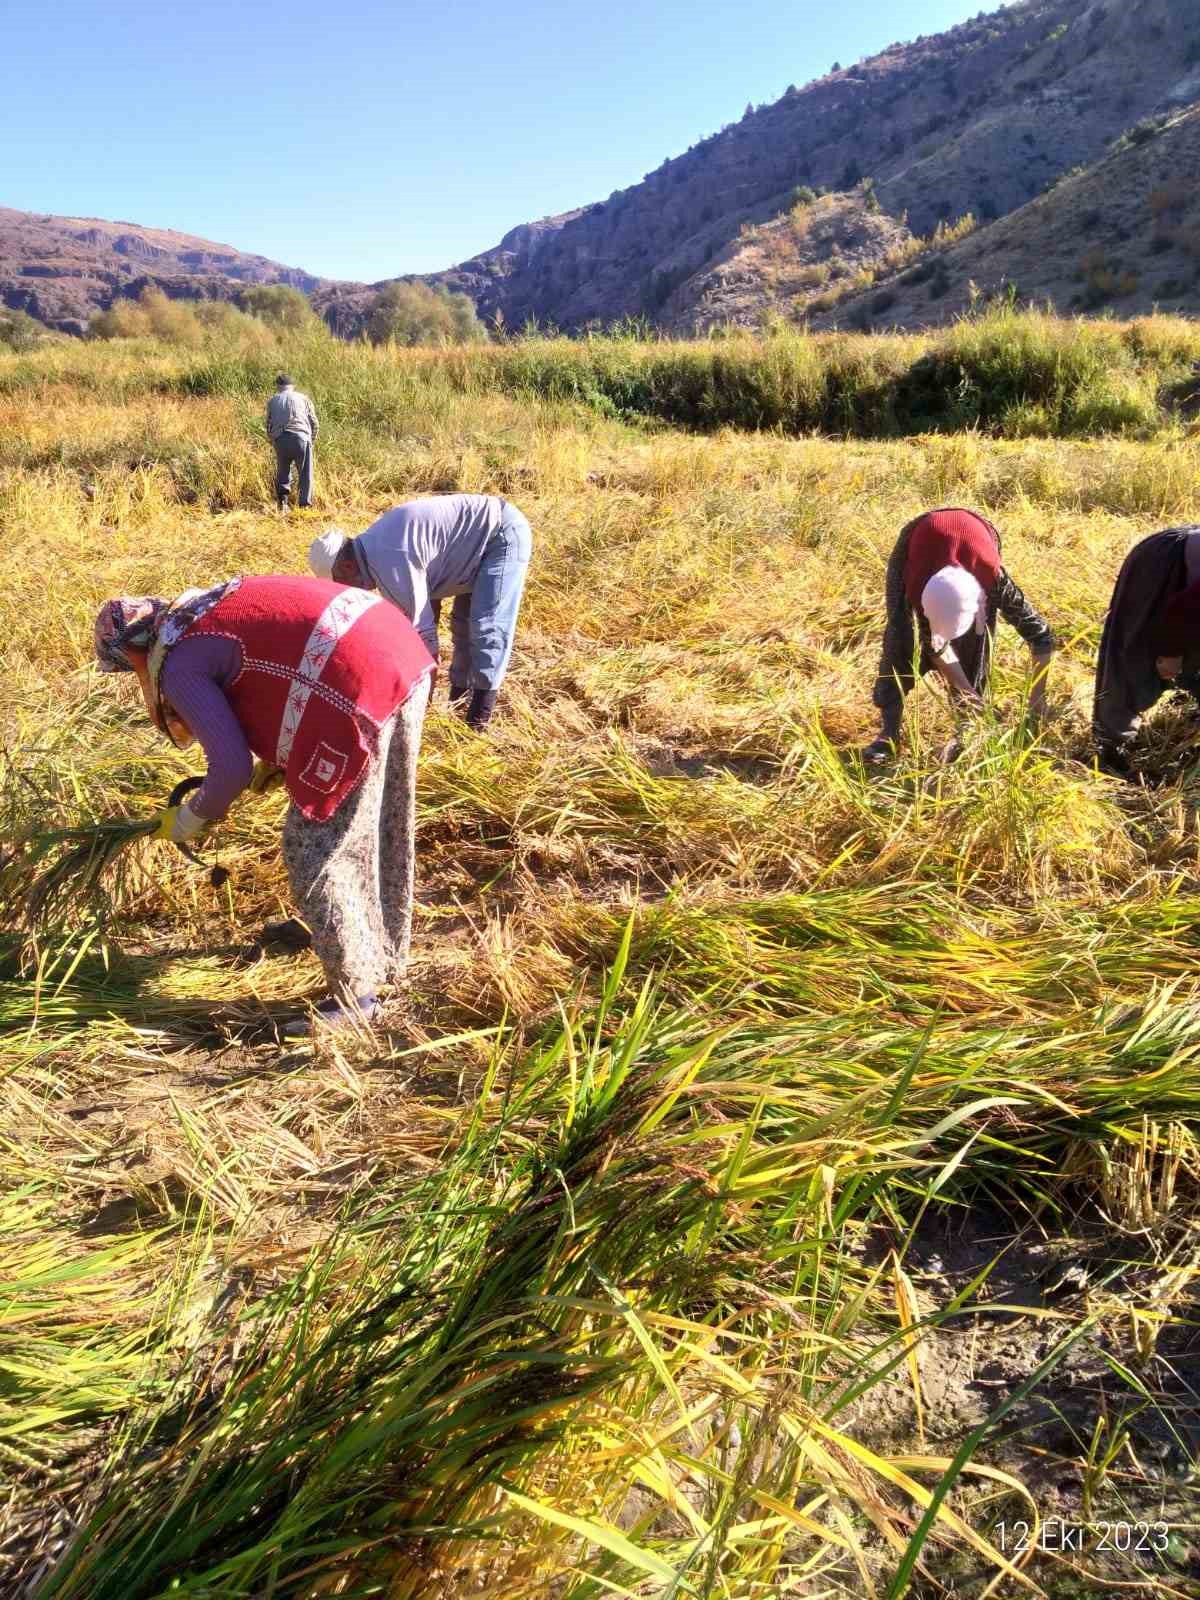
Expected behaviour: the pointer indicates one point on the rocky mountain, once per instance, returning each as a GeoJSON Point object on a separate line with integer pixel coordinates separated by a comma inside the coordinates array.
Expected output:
{"type": "Point", "coordinates": [1122, 233]}
{"type": "Point", "coordinates": [981, 120]}
{"type": "Point", "coordinates": [1053, 124]}
{"type": "Point", "coordinates": [63, 270]}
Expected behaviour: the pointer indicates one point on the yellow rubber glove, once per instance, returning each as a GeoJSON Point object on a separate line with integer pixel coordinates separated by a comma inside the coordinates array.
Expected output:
{"type": "Point", "coordinates": [180, 824]}
{"type": "Point", "coordinates": [265, 778]}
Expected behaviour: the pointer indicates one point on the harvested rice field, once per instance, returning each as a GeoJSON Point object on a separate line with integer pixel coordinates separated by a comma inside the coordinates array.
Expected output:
{"type": "Point", "coordinates": [777, 1177]}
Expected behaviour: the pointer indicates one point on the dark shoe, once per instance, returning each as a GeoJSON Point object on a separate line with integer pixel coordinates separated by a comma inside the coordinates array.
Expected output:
{"type": "Point", "coordinates": [878, 751]}
{"type": "Point", "coordinates": [289, 935]}
{"type": "Point", "coordinates": [332, 1014]}
{"type": "Point", "coordinates": [1113, 762]}
{"type": "Point", "coordinates": [483, 703]}
{"type": "Point", "coordinates": [460, 697]}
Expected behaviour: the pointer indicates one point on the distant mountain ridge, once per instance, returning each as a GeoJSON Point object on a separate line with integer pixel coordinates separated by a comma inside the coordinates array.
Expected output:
{"type": "Point", "coordinates": [63, 270]}
{"type": "Point", "coordinates": [812, 208]}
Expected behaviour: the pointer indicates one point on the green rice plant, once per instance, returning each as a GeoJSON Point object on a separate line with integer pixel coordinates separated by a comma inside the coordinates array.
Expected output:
{"type": "Point", "coordinates": [73, 1345]}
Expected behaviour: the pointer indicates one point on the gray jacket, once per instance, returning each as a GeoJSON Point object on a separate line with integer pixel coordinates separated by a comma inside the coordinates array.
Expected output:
{"type": "Point", "coordinates": [289, 411]}
{"type": "Point", "coordinates": [424, 551]}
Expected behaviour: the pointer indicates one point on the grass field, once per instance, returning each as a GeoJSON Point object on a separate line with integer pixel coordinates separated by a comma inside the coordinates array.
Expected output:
{"type": "Point", "coordinates": [775, 1180]}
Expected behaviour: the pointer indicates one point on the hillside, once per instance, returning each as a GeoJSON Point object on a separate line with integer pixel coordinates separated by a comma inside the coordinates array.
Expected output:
{"type": "Point", "coordinates": [981, 119]}
{"type": "Point", "coordinates": [1030, 116]}
{"type": "Point", "coordinates": [1124, 232]}
{"type": "Point", "coordinates": [63, 270]}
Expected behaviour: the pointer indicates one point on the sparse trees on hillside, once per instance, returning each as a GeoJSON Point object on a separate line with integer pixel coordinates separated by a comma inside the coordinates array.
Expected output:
{"type": "Point", "coordinates": [413, 313]}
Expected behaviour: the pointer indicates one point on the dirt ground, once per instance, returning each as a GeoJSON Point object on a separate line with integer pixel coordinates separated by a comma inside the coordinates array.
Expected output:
{"type": "Point", "coordinates": [1117, 1389]}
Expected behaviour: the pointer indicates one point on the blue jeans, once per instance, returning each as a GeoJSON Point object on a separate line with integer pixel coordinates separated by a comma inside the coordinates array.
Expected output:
{"type": "Point", "coordinates": [483, 623]}
{"type": "Point", "coordinates": [294, 449]}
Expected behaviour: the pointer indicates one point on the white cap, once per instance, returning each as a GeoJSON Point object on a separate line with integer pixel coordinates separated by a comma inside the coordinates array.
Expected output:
{"type": "Point", "coordinates": [324, 551]}
{"type": "Point", "coordinates": [953, 600]}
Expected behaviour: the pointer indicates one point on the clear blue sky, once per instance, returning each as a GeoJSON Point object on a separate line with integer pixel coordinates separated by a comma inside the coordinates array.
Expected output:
{"type": "Point", "coordinates": [361, 139]}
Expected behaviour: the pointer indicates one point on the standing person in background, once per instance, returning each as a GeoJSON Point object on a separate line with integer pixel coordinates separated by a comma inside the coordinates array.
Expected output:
{"type": "Point", "coordinates": [946, 573]}
{"type": "Point", "coordinates": [1151, 640]}
{"type": "Point", "coordinates": [474, 547]}
{"type": "Point", "coordinates": [292, 428]}
{"type": "Point", "coordinates": [327, 687]}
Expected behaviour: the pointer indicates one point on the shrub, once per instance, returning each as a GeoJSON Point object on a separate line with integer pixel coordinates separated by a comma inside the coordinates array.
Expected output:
{"type": "Point", "coordinates": [186, 324]}
{"type": "Point", "coordinates": [19, 331]}
{"type": "Point", "coordinates": [813, 274]}
{"type": "Point", "coordinates": [1169, 199]}
{"type": "Point", "coordinates": [151, 316]}
{"type": "Point", "coordinates": [278, 304]}
{"type": "Point", "coordinates": [1141, 133]}
{"type": "Point", "coordinates": [803, 195]}
{"type": "Point", "coordinates": [414, 313]}
{"type": "Point", "coordinates": [940, 281]}
{"type": "Point", "coordinates": [1103, 281]}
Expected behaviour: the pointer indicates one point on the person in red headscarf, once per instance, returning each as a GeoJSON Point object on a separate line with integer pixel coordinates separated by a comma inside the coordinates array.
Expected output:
{"type": "Point", "coordinates": [327, 687]}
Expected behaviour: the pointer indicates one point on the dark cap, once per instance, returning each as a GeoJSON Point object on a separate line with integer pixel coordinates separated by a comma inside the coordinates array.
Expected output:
{"type": "Point", "coordinates": [282, 381]}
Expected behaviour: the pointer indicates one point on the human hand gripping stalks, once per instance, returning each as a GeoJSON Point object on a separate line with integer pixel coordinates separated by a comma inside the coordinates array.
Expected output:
{"type": "Point", "coordinates": [69, 870]}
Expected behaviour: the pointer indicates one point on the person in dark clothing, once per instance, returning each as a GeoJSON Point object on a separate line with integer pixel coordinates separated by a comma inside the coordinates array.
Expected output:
{"type": "Point", "coordinates": [1151, 640]}
{"type": "Point", "coordinates": [945, 575]}
{"type": "Point", "coordinates": [292, 427]}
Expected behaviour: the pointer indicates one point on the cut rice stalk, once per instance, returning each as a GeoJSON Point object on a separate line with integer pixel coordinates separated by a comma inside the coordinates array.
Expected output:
{"type": "Point", "coordinates": [65, 874]}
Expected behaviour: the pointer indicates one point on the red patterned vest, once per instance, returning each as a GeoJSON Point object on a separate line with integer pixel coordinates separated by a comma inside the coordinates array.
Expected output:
{"type": "Point", "coordinates": [323, 667]}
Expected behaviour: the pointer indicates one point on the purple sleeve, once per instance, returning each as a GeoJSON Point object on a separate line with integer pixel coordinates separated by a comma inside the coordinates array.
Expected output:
{"type": "Point", "coordinates": [193, 684]}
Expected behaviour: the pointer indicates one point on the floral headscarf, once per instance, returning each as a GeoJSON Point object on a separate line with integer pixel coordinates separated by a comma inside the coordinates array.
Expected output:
{"type": "Point", "coordinates": [131, 620]}
{"type": "Point", "coordinates": [150, 624]}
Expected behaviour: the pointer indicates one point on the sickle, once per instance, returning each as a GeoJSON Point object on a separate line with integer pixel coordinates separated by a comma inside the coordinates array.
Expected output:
{"type": "Point", "coordinates": [217, 876]}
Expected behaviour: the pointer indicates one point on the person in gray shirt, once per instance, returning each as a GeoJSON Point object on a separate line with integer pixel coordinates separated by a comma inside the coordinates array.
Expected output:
{"type": "Point", "coordinates": [292, 428]}
{"type": "Point", "coordinates": [474, 548]}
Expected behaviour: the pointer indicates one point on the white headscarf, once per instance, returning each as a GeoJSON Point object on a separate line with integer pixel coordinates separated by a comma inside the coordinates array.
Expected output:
{"type": "Point", "coordinates": [324, 551]}
{"type": "Point", "coordinates": [953, 600]}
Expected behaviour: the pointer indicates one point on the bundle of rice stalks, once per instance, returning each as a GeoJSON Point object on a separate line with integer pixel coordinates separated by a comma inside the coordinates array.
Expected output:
{"type": "Point", "coordinates": [66, 873]}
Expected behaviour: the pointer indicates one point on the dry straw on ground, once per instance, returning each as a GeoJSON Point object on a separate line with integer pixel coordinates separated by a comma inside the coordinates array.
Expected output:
{"type": "Point", "coordinates": [737, 1097]}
